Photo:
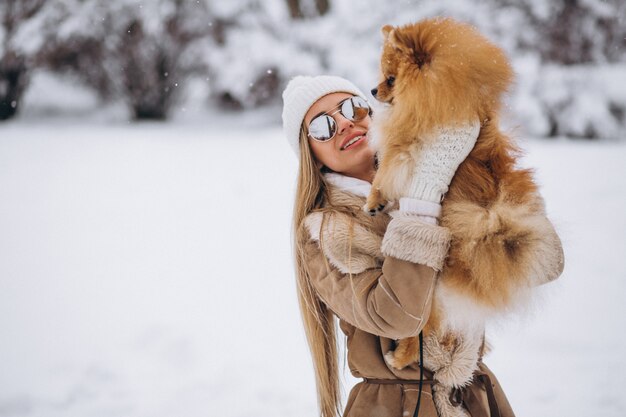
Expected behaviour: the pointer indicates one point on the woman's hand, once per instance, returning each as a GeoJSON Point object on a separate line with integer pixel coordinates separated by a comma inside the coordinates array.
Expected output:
{"type": "Point", "coordinates": [438, 159]}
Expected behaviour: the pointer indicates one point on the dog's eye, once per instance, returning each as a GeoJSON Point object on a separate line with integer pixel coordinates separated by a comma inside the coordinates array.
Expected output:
{"type": "Point", "coordinates": [390, 81]}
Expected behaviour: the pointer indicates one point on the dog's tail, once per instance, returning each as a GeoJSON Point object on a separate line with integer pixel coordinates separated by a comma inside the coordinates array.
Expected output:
{"type": "Point", "coordinates": [501, 248]}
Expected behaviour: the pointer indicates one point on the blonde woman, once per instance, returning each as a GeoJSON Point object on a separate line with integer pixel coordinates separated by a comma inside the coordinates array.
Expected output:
{"type": "Point", "coordinates": [374, 274]}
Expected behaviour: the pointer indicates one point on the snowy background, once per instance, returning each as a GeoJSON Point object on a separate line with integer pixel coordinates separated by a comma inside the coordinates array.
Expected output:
{"type": "Point", "coordinates": [145, 266]}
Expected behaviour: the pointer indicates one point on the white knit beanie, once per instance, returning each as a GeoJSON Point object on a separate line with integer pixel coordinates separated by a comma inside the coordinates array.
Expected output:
{"type": "Point", "coordinates": [300, 94]}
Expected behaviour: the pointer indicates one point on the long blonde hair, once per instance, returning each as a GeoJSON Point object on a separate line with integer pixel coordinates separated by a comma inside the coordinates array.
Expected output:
{"type": "Point", "coordinates": [319, 324]}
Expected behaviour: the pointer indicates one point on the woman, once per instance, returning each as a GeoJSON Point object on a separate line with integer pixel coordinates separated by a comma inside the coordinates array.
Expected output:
{"type": "Point", "coordinates": [375, 274]}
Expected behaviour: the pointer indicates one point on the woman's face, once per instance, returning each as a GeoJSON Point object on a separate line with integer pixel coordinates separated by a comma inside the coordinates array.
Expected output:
{"type": "Point", "coordinates": [350, 160]}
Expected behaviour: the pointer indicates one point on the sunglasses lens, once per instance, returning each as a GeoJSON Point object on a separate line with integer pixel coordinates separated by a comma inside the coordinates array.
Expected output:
{"type": "Point", "coordinates": [355, 108]}
{"type": "Point", "coordinates": [322, 128]}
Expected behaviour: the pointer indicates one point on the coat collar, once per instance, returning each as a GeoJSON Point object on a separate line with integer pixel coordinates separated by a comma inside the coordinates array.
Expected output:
{"type": "Point", "coordinates": [349, 184]}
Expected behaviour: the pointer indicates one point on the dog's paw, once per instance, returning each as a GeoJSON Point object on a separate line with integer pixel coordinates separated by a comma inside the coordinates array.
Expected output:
{"type": "Point", "coordinates": [396, 361]}
{"type": "Point", "coordinates": [375, 202]}
{"type": "Point", "coordinates": [373, 210]}
{"type": "Point", "coordinates": [391, 360]}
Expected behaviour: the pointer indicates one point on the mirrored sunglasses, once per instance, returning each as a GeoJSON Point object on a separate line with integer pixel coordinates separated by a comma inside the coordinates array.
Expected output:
{"type": "Point", "coordinates": [323, 127]}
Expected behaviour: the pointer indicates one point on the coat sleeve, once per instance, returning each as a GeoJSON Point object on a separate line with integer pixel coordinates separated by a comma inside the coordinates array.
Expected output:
{"type": "Point", "coordinates": [391, 300]}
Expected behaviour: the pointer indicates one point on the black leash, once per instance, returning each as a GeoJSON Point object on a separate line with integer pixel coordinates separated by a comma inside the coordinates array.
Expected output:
{"type": "Point", "coordinates": [421, 363]}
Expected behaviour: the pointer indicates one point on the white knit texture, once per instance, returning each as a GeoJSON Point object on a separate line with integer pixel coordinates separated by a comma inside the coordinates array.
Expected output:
{"type": "Point", "coordinates": [301, 93]}
{"type": "Point", "coordinates": [438, 158]}
{"type": "Point", "coordinates": [427, 211]}
{"type": "Point", "coordinates": [421, 207]}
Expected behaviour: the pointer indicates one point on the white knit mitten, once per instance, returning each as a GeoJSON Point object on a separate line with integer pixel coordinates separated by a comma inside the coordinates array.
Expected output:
{"type": "Point", "coordinates": [438, 159]}
{"type": "Point", "coordinates": [425, 211]}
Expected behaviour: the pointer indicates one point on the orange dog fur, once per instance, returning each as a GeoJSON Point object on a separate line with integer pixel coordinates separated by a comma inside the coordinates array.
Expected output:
{"type": "Point", "coordinates": [446, 73]}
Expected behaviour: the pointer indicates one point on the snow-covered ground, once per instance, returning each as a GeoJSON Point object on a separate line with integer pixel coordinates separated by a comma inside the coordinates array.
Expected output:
{"type": "Point", "coordinates": [145, 270]}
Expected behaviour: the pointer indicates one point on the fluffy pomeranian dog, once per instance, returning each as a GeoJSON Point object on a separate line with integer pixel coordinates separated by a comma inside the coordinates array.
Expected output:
{"type": "Point", "coordinates": [440, 72]}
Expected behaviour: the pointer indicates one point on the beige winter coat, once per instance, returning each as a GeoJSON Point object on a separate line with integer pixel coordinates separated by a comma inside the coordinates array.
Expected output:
{"type": "Point", "coordinates": [358, 272]}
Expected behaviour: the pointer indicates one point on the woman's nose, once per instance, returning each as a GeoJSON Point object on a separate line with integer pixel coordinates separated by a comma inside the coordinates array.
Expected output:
{"type": "Point", "coordinates": [343, 123]}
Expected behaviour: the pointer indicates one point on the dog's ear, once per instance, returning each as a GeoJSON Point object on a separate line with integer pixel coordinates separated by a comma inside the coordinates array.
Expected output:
{"type": "Point", "coordinates": [386, 29]}
{"type": "Point", "coordinates": [403, 42]}
{"type": "Point", "coordinates": [396, 40]}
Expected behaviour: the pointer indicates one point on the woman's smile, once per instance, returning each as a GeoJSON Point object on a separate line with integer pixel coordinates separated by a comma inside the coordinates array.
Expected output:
{"type": "Point", "coordinates": [353, 140]}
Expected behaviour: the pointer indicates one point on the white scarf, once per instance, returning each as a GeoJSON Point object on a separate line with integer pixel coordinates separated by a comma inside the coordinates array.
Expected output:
{"type": "Point", "coordinates": [350, 184]}
{"type": "Point", "coordinates": [427, 211]}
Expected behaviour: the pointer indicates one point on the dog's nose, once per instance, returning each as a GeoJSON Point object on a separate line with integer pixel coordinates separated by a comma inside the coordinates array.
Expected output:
{"type": "Point", "coordinates": [374, 91]}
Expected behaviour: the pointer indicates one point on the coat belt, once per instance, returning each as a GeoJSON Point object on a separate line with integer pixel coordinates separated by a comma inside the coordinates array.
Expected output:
{"type": "Point", "coordinates": [458, 396]}
{"type": "Point", "coordinates": [397, 381]}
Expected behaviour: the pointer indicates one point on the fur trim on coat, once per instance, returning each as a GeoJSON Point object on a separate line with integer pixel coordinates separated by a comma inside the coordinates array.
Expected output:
{"type": "Point", "coordinates": [411, 240]}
